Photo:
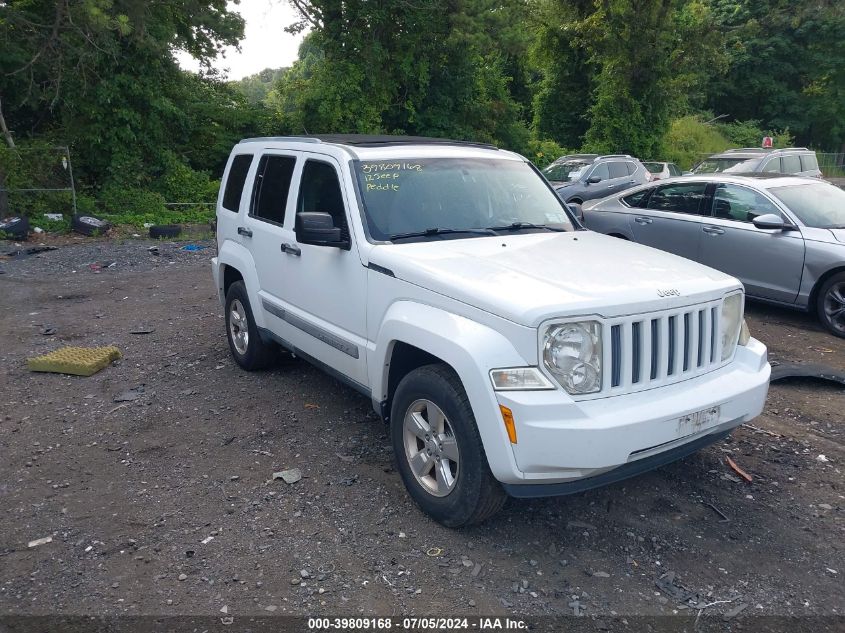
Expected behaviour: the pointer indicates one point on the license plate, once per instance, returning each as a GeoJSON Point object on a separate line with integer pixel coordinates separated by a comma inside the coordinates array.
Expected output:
{"type": "Point", "coordinates": [695, 422]}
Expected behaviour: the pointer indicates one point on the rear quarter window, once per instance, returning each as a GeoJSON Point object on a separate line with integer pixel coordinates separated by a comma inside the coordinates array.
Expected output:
{"type": "Point", "coordinates": [235, 182]}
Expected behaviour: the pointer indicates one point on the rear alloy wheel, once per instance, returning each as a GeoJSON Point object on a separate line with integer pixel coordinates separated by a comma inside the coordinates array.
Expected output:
{"type": "Point", "coordinates": [438, 449]}
{"type": "Point", "coordinates": [831, 305]}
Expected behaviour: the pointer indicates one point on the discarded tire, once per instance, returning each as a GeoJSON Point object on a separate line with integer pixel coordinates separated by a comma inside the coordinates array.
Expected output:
{"type": "Point", "coordinates": [89, 225]}
{"type": "Point", "coordinates": [14, 228]}
{"type": "Point", "coordinates": [158, 231]}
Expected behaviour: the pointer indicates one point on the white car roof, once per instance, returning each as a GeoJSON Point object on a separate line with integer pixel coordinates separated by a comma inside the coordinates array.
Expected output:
{"type": "Point", "coordinates": [385, 147]}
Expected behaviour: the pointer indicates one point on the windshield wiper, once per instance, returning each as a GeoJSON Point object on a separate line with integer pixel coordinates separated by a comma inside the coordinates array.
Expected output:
{"type": "Point", "coordinates": [518, 226]}
{"type": "Point", "coordinates": [438, 231]}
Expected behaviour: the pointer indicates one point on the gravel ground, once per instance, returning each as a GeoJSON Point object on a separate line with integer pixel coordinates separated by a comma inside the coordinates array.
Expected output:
{"type": "Point", "coordinates": [153, 479]}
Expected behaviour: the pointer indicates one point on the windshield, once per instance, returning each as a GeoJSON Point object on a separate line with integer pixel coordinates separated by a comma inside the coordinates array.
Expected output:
{"type": "Point", "coordinates": [717, 165]}
{"type": "Point", "coordinates": [568, 171]}
{"type": "Point", "coordinates": [464, 197]}
{"type": "Point", "coordinates": [817, 204]}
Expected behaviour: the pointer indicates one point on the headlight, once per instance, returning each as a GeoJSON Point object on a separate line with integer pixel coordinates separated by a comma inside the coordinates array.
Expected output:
{"type": "Point", "coordinates": [731, 323]}
{"type": "Point", "coordinates": [519, 379]}
{"type": "Point", "coordinates": [572, 353]}
{"type": "Point", "coordinates": [744, 334]}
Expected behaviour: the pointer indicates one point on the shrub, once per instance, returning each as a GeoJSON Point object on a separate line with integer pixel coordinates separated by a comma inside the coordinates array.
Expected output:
{"type": "Point", "coordinates": [541, 153]}
{"type": "Point", "coordinates": [131, 201]}
{"type": "Point", "coordinates": [690, 139]}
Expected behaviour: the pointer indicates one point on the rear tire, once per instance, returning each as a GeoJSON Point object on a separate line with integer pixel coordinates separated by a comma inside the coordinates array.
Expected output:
{"type": "Point", "coordinates": [830, 305]}
{"type": "Point", "coordinates": [159, 231]}
{"type": "Point", "coordinates": [245, 343]}
{"type": "Point", "coordinates": [438, 449]}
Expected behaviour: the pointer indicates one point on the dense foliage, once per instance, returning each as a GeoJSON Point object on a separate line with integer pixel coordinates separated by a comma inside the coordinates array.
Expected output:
{"type": "Point", "coordinates": [656, 78]}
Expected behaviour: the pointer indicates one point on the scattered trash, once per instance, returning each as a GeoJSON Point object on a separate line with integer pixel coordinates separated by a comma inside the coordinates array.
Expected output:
{"type": "Point", "coordinates": [735, 611]}
{"type": "Point", "coordinates": [345, 458]}
{"type": "Point", "coordinates": [56, 217]}
{"type": "Point", "coordinates": [37, 229]}
{"type": "Point", "coordinates": [143, 330]}
{"type": "Point", "coordinates": [77, 361]}
{"type": "Point", "coordinates": [823, 459]}
{"type": "Point", "coordinates": [189, 553]}
{"type": "Point", "coordinates": [309, 405]}
{"type": "Point", "coordinates": [192, 248]}
{"type": "Point", "coordinates": [577, 607]}
{"type": "Point", "coordinates": [724, 518]}
{"type": "Point", "coordinates": [48, 331]}
{"type": "Point", "coordinates": [130, 395]}
{"type": "Point", "coordinates": [831, 571]}
{"type": "Point", "coordinates": [88, 225]}
{"type": "Point", "coordinates": [207, 540]}
{"type": "Point", "coordinates": [806, 370]}
{"type": "Point", "coordinates": [289, 476]}
{"type": "Point", "coordinates": [434, 551]}
{"type": "Point", "coordinates": [601, 574]}
{"type": "Point", "coordinates": [668, 585]}
{"type": "Point", "coordinates": [739, 470]}
{"type": "Point", "coordinates": [225, 609]}
{"type": "Point", "coordinates": [40, 541]}
{"type": "Point", "coordinates": [580, 525]}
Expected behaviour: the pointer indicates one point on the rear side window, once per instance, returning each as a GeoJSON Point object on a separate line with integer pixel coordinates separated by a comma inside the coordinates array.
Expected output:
{"type": "Point", "coordinates": [673, 170]}
{"type": "Point", "coordinates": [632, 168]}
{"type": "Point", "coordinates": [637, 200]}
{"type": "Point", "coordinates": [617, 169]}
{"type": "Point", "coordinates": [235, 182]}
{"type": "Point", "coordinates": [272, 184]}
{"type": "Point", "coordinates": [791, 164]}
{"type": "Point", "coordinates": [681, 197]}
{"type": "Point", "coordinates": [809, 162]}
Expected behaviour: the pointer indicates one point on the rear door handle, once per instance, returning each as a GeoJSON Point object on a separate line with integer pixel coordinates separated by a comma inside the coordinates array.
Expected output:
{"type": "Point", "coordinates": [290, 249]}
{"type": "Point", "coordinates": [713, 230]}
{"type": "Point", "coordinates": [242, 230]}
{"type": "Point", "coordinates": [641, 220]}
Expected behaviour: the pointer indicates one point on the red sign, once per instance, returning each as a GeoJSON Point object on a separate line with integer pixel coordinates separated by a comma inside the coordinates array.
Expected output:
{"type": "Point", "coordinates": [767, 142]}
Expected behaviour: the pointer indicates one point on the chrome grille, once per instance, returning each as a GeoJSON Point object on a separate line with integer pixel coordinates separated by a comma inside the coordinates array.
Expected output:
{"type": "Point", "coordinates": [650, 350]}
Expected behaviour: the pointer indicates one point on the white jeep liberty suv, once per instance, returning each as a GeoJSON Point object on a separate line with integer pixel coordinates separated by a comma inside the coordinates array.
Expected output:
{"type": "Point", "coordinates": [510, 350]}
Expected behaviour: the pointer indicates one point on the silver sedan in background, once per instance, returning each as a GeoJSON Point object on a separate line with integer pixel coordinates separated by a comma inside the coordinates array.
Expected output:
{"type": "Point", "coordinates": [782, 236]}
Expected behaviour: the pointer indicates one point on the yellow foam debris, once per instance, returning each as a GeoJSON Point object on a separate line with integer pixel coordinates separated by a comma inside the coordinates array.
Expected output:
{"type": "Point", "coordinates": [79, 361]}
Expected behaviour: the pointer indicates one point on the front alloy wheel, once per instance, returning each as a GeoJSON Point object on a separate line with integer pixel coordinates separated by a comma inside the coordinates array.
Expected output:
{"type": "Point", "coordinates": [438, 449]}
{"type": "Point", "coordinates": [431, 448]}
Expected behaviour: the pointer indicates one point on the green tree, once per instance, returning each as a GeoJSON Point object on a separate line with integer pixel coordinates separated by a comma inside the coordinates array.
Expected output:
{"type": "Point", "coordinates": [786, 67]}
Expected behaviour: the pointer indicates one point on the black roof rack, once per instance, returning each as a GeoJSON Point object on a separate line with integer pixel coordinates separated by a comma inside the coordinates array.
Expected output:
{"type": "Point", "coordinates": [371, 140]}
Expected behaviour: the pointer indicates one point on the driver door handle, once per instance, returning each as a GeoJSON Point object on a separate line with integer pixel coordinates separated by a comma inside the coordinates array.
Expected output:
{"type": "Point", "coordinates": [290, 249]}
{"type": "Point", "coordinates": [641, 220]}
{"type": "Point", "coordinates": [713, 230]}
{"type": "Point", "coordinates": [242, 230]}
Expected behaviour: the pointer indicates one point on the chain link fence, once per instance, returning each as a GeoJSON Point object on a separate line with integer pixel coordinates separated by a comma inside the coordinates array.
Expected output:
{"type": "Point", "coordinates": [35, 181]}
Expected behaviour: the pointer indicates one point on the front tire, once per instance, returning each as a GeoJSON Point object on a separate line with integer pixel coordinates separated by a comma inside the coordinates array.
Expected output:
{"type": "Point", "coordinates": [438, 449]}
{"type": "Point", "coordinates": [830, 305]}
{"type": "Point", "coordinates": [248, 350]}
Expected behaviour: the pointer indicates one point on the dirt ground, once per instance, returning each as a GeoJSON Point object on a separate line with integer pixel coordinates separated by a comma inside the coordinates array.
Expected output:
{"type": "Point", "coordinates": [163, 503]}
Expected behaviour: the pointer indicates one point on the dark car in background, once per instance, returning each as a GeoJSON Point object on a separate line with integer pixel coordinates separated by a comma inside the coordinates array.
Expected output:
{"type": "Point", "coordinates": [580, 177]}
{"type": "Point", "coordinates": [795, 161]}
{"type": "Point", "coordinates": [782, 236]}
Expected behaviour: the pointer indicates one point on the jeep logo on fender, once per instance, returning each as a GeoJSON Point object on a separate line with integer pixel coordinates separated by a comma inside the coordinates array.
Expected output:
{"type": "Point", "coordinates": [669, 292]}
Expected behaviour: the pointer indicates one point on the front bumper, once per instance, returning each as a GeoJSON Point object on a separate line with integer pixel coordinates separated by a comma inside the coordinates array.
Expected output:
{"type": "Point", "coordinates": [560, 441]}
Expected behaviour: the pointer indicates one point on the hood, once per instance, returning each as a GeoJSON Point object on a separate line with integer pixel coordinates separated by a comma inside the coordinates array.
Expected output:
{"type": "Point", "coordinates": [560, 184]}
{"type": "Point", "coordinates": [839, 234]}
{"type": "Point", "coordinates": [531, 277]}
